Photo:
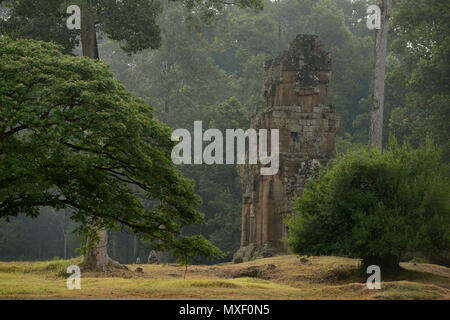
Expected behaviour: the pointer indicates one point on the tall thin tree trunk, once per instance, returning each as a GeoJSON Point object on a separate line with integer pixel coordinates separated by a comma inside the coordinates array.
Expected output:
{"type": "Point", "coordinates": [115, 248]}
{"type": "Point", "coordinates": [66, 215]}
{"type": "Point", "coordinates": [88, 35]}
{"type": "Point", "coordinates": [65, 246]}
{"type": "Point", "coordinates": [279, 26]}
{"type": "Point", "coordinates": [97, 256]}
{"type": "Point", "coordinates": [128, 249]}
{"type": "Point", "coordinates": [64, 222]}
{"type": "Point", "coordinates": [135, 248]}
{"type": "Point", "coordinates": [379, 73]}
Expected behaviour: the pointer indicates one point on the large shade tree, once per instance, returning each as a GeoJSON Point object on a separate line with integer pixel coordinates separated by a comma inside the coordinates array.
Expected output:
{"type": "Point", "coordinates": [72, 136]}
{"type": "Point", "coordinates": [131, 22]}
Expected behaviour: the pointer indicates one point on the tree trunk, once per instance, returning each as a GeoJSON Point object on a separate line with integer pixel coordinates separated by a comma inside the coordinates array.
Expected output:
{"type": "Point", "coordinates": [65, 246]}
{"type": "Point", "coordinates": [135, 248]}
{"type": "Point", "coordinates": [115, 248]}
{"type": "Point", "coordinates": [88, 35]}
{"type": "Point", "coordinates": [97, 256]}
{"type": "Point", "coordinates": [379, 73]}
{"type": "Point", "coordinates": [64, 223]}
{"type": "Point", "coordinates": [279, 26]}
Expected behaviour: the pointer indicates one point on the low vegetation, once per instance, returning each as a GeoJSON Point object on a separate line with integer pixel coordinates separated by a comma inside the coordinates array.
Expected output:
{"type": "Point", "coordinates": [282, 277]}
{"type": "Point", "coordinates": [377, 206]}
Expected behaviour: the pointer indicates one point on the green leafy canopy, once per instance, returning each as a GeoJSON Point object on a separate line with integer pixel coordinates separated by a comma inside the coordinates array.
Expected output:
{"type": "Point", "coordinates": [73, 136]}
{"type": "Point", "coordinates": [376, 206]}
{"type": "Point", "coordinates": [132, 22]}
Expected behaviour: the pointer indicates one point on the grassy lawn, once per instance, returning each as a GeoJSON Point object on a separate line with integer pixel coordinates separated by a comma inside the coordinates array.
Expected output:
{"type": "Point", "coordinates": [282, 277]}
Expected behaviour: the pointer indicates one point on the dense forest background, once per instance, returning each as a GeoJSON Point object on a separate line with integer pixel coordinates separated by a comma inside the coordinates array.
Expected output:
{"type": "Point", "coordinates": [213, 72]}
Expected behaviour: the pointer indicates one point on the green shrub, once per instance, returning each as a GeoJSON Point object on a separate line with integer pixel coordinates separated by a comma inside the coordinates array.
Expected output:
{"type": "Point", "coordinates": [376, 206]}
{"type": "Point", "coordinates": [419, 260]}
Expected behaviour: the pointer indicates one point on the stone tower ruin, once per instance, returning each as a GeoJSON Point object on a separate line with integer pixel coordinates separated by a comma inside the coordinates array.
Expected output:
{"type": "Point", "coordinates": [295, 88]}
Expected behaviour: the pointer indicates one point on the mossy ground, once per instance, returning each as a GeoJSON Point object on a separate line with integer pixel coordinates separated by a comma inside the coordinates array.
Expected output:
{"type": "Point", "coordinates": [282, 277]}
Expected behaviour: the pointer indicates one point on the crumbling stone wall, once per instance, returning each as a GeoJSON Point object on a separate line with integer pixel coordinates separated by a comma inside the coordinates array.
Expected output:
{"type": "Point", "coordinates": [295, 88]}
